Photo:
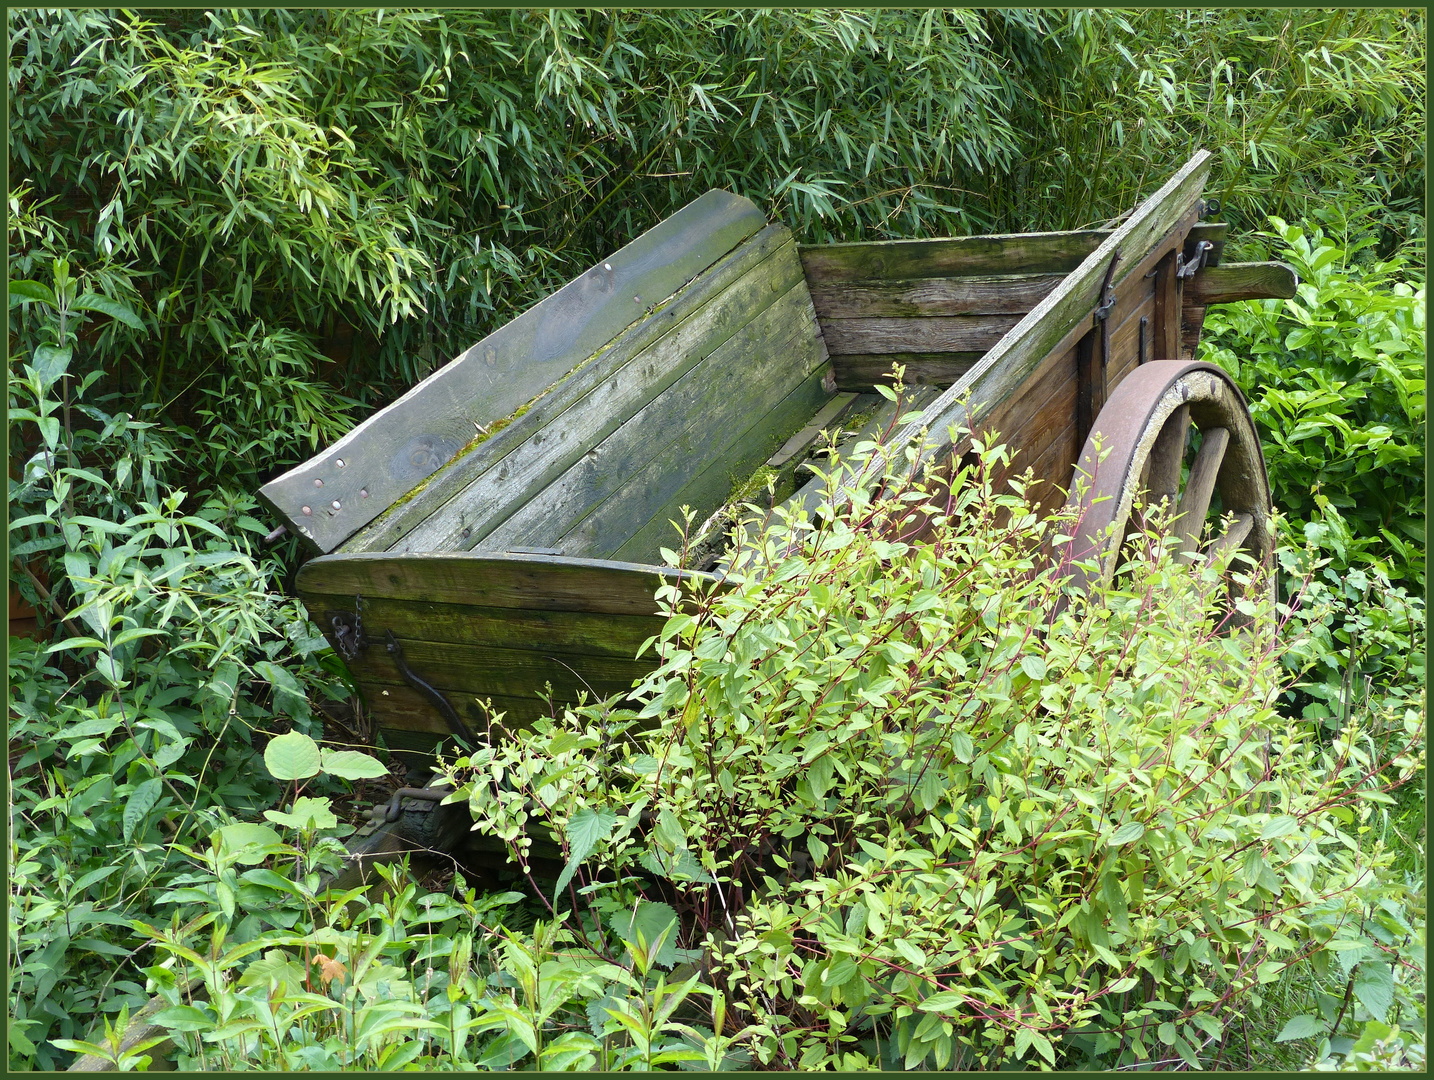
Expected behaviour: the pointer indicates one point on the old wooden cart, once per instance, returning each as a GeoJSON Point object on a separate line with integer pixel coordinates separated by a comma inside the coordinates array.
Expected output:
{"type": "Point", "coordinates": [496, 531]}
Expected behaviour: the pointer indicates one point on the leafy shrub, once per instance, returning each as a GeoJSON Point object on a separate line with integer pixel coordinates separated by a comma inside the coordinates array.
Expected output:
{"type": "Point", "coordinates": [172, 657]}
{"type": "Point", "coordinates": [916, 804]}
{"type": "Point", "coordinates": [1335, 381]}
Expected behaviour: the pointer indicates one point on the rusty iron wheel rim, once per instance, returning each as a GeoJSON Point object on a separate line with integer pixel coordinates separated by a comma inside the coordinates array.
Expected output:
{"type": "Point", "coordinates": [1134, 454]}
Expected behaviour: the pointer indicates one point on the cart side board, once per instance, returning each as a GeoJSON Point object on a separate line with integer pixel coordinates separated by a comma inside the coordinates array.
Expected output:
{"type": "Point", "coordinates": [386, 455]}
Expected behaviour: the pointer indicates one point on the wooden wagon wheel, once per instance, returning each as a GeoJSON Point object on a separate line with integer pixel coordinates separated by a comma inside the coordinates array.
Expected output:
{"type": "Point", "coordinates": [1143, 432]}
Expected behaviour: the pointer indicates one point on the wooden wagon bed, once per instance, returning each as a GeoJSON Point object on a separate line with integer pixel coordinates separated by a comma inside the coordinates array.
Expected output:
{"type": "Point", "coordinates": [497, 531]}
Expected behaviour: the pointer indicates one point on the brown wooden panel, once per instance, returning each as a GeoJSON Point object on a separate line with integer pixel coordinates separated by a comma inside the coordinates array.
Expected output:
{"type": "Point", "coordinates": [859, 372]}
{"type": "Point", "coordinates": [1009, 294]}
{"type": "Point", "coordinates": [589, 633]}
{"type": "Point", "coordinates": [936, 333]}
{"type": "Point", "coordinates": [1242, 281]}
{"type": "Point", "coordinates": [1017, 253]}
{"type": "Point", "coordinates": [400, 445]}
{"type": "Point", "coordinates": [1063, 316]}
{"type": "Point", "coordinates": [535, 582]}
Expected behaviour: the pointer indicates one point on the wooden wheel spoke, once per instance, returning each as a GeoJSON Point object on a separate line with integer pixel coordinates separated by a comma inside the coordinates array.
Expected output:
{"type": "Point", "coordinates": [1233, 537]}
{"type": "Point", "coordinates": [1195, 502]}
{"type": "Point", "coordinates": [1166, 455]}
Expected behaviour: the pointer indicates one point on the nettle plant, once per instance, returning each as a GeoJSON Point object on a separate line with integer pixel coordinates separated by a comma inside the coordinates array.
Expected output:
{"type": "Point", "coordinates": [917, 803]}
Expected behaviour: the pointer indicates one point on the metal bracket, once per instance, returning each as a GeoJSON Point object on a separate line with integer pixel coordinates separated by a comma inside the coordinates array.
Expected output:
{"type": "Point", "coordinates": [1184, 269]}
{"type": "Point", "coordinates": [348, 630]}
{"type": "Point", "coordinates": [435, 697]}
{"type": "Point", "coordinates": [1102, 315]}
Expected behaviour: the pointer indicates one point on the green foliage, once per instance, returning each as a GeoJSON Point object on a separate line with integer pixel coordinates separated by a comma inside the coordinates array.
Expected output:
{"type": "Point", "coordinates": [137, 724]}
{"type": "Point", "coordinates": [312, 208]}
{"type": "Point", "coordinates": [915, 804]}
{"type": "Point", "coordinates": [1336, 385]}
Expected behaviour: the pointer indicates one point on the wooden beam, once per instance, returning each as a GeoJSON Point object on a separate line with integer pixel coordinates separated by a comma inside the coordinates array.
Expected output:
{"type": "Point", "coordinates": [531, 582]}
{"type": "Point", "coordinates": [1241, 281]}
{"type": "Point", "coordinates": [1014, 253]}
{"type": "Point", "coordinates": [389, 453]}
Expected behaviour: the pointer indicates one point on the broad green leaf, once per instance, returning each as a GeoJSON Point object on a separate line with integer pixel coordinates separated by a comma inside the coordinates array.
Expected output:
{"type": "Point", "coordinates": [140, 802]}
{"type": "Point", "coordinates": [1279, 826]}
{"type": "Point", "coordinates": [1034, 667]}
{"type": "Point", "coordinates": [651, 920]}
{"type": "Point", "coordinates": [1374, 987]}
{"type": "Point", "coordinates": [247, 838]}
{"type": "Point", "coordinates": [26, 292]}
{"type": "Point", "coordinates": [306, 813]}
{"type": "Point", "coordinates": [51, 364]}
{"type": "Point", "coordinates": [586, 829]}
{"type": "Point", "coordinates": [105, 306]}
{"type": "Point", "coordinates": [1127, 833]}
{"type": "Point", "coordinates": [352, 765]}
{"type": "Point", "coordinates": [293, 756]}
{"type": "Point", "coordinates": [1303, 1026]}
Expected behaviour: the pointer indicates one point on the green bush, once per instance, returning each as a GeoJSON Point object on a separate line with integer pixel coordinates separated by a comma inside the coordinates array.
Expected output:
{"type": "Point", "coordinates": [916, 804]}
{"type": "Point", "coordinates": [174, 656]}
{"type": "Point", "coordinates": [1335, 381]}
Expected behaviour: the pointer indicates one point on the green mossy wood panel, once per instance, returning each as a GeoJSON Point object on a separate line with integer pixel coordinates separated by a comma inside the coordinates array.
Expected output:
{"type": "Point", "coordinates": [1009, 294]}
{"type": "Point", "coordinates": [661, 493]}
{"type": "Point", "coordinates": [762, 274]}
{"type": "Point", "coordinates": [514, 673]}
{"type": "Point", "coordinates": [389, 453]}
{"type": "Point", "coordinates": [484, 579]}
{"type": "Point", "coordinates": [565, 632]}
{"type": "Point", "coordinates": [860, 372]}
{"type": "Point", "coordinates": [611, 492]}
{"type": "Point", "coordinates": [922, 333]}
{"type": "Point", "coordinates": [587, 402]}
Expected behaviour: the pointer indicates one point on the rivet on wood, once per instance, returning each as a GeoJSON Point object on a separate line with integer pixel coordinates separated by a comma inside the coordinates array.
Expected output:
{"type": "Point", "coordinates": [318, 483]}
{"type": "Point", "coordinates": [307, 510]}
{"type": "Point", "coordinates": [607, 266]}
{"type": "Point", "coordinates": [336, 504]}
{"type": "Point", "coordinates": [363, 492]}
{"type": "Point", "coordinates": [339, 463]}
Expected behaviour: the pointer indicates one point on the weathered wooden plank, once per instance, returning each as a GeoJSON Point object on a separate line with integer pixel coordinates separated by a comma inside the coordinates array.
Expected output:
{"type": "Point", "coordinates": [811, 494]}
{"type": "Point", "coordinates": [823, 420]}
{"type": "Point", "coordinates": [556, 632]}
{"type": "Point", "coordinates": [486, 579]}
{"type": "Point", "coordinates": [935, 333]}
{"type": "Point", "coordinates": [410, 722]}
{"type": "Point", "coordinates": [1125, 342]}
{"type": "Point", "coordinates": [1045, 404]}
{"type": "Point", "coordinates": [521, 673]}
{"type": "Point", "coordinates": [1007, 365]}
{"type": "Point", "coordinates": [1016, 253]}
{"type": "Point", "coordinates": [1241, 281]}
{"type": "Point", "coordinates": [860, 372]}
{"type": "Point", "coordinates": [391, 451]}
{"type": "Point", "coordinates": [1165, 325]}
{"type": "Point", "coordinates": [716, 396]}
{"type": "Point", "coordinates": [466, 520]}
{"type": "Point", "coordinates": [711, 304]}
{"type": "Point", "coordinates": [654, 498]}
{"type": "Point", "coordinates": [1008, 294]}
